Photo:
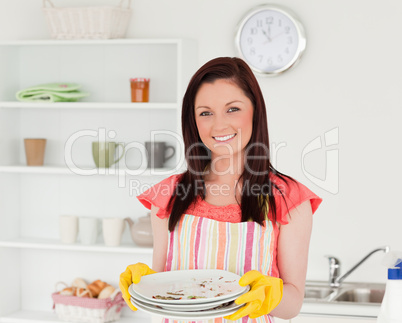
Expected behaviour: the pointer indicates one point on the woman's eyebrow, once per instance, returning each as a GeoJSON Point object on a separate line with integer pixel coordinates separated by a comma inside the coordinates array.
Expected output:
{"type": "Point", "coordinates": [203, 106]}
{"type": "Point", "coordinates": [231, 102]}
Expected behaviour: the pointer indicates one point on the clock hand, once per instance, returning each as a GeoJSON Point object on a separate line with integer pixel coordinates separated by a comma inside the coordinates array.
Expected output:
{"type": "Point", "coordinates": [270, 39]}
{"type": "Point", "coordinates": [277, 35]}
{"type": "Point", "coordinates": [266, 35]}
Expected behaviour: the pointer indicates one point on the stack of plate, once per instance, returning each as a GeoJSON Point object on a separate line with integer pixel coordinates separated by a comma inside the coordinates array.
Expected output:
{"type": "Point", "coordinates": [188, 294]}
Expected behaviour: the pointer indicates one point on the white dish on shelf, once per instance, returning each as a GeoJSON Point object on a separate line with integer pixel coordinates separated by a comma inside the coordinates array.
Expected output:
{"type": "Point", "coordinates": [207, 285]}
{"type": "Point", "coordinates": [201, 315]}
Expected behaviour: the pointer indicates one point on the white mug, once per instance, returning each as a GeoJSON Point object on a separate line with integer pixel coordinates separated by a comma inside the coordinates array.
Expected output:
{"type": "Point", "coordinates": [68, 225]}
{"type": "Point", "coordinates": [88, 230]}
{"type": "Point", "coordinates": [112, 231]}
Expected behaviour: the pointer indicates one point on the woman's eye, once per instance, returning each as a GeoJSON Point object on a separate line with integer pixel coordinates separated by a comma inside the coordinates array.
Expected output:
{"type": "Point", "coordinates": [233, 109]}
{"type": "Point", "coordinates": [205, 113]}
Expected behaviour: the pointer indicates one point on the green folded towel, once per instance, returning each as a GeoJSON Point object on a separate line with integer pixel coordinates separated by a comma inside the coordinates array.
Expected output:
{"type": "Point", "coordinates": [52, 92]}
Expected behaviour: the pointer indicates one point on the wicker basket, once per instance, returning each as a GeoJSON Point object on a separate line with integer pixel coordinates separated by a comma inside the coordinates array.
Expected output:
{"type": "Point", "coordinates": [88, 310]}
{"type": "Point", "coordinates": [87, 22]}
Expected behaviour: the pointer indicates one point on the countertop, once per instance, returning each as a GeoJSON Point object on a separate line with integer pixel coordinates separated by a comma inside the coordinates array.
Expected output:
{"type": "Point", "coordinates": [341, 309]}
{"type": "Point", "coordinates": [308, 308]}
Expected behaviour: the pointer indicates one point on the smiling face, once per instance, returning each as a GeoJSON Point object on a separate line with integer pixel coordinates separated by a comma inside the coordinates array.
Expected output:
{"type": "Point", "coordinates": [224, 117]}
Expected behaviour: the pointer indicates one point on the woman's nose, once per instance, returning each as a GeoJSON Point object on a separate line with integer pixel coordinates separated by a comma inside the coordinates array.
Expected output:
{"type": "Point", "coordinates": [220, 123]}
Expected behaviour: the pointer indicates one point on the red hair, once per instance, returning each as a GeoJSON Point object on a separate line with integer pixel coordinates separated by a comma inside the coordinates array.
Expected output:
{"type": "Point", "coordinates": [198, 156]}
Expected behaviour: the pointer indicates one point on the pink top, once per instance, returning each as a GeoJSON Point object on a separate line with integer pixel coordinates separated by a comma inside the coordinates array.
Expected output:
{"type": "Point", "coordinates": [222, 224]}
{"type": "Point", "coordinates": [294, 193]}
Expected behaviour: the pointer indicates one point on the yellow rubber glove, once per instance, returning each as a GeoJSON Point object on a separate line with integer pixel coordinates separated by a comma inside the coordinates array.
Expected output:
{"type": "Point", "coordinates": [264, 295]}
{"type": "Point", "coordinates": [133, 275]}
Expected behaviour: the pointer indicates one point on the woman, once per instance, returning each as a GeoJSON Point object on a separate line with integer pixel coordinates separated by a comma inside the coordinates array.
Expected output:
{"type": "Point", "coordinates": [240, 214]}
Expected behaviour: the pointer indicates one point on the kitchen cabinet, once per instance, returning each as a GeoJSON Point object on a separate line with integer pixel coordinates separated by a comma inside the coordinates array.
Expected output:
{"type": "Point", "coordinates": [31, 198]}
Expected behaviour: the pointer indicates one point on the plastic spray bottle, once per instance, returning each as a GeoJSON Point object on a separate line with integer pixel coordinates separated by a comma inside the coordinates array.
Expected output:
{"type": "Point", "coordinates": [391, 307]}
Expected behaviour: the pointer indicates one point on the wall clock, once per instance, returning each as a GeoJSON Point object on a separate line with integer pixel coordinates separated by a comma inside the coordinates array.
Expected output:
{"type": "Point", "coordinates": [270, 39]}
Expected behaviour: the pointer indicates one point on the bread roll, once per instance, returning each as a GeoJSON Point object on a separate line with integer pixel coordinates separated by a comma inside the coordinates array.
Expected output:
{"type": "Point", "coordinates": [68, 291]}
{"type": "Point", "coordinates": [106, 292]}
{"type": "Point", "coordinates": [79, 283]}
{"type": "Point", "coordinates": [96, 287]}
{"type": "Point", "coordinates": [83, 292]}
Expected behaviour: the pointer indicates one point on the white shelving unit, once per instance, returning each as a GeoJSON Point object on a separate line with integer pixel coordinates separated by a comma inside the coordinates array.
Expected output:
{"type": "Point", "coordinates": [32, 258]}
{"type": "Point", "coordinates": [88, 105]}
{"type": "Point", "coordinates": [49, 317]}
{"type": "Point", "coordinates": [53, 244]}
{"type": "Point", "coordinates": [60, 170]}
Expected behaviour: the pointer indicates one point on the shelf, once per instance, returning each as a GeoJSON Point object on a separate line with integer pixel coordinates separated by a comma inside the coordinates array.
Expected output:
{"type": "Point", "coordinates": [51, 244]}
{"type": "Point", "coordinates": [87, 105]}
{"type": "Point", "coordinates": [112, 42]}
{"type": "Point", "coordinates": [31, 196]}
{"type": "Point", "coordinates": [60, 170]}
{"type": "Point", "coordinates": [30, 316]}
{"type": "Point", "coordinates": [51, 317]}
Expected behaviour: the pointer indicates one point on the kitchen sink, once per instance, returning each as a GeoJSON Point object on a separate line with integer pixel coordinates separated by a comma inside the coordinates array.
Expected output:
{"type": "Point", "coordinates": [317, 292]}
{"type": "Point", "coordinates": [361, 295]}
{"type": "Point", "coordinates": [351, 293]}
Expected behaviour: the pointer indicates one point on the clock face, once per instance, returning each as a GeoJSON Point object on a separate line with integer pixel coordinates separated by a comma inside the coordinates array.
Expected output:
{"type": "Point", "coordinates": [270, 40]}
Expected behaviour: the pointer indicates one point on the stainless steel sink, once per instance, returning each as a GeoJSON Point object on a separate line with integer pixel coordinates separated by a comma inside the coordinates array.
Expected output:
{"type": "Point", "coordinates": [361, 295]}
{"type": "Point", "coordinates": [317, 291]}
{"type": "Point", "coordinates": [351, 293]}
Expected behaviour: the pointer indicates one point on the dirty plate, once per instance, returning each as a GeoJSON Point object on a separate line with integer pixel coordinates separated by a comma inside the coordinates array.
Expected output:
{"type": "Point", "coordinates": [201, 315]}
{"type": "Point", "coordinates": [185, 307]}
{"type": "Point", "coordinates": [188, 286]}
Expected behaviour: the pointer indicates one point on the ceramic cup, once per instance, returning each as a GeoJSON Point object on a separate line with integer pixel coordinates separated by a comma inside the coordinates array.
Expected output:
{"type": "Point", "coordinates": [88, 230]}
{"type": "Point", "coordinates": [112, 231]}
{"type": "Point", "coordinates": [35, 151]}
{"type": "Point", "coordinates": [104, 153]}
{"type": "Point", "coordinates": [157, 153]}
{"type": "Point", "coordinates": [68, 225]}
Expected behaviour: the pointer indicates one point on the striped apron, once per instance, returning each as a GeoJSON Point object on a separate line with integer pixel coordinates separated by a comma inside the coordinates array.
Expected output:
{"type": "Point", "coordinates": [202, 243]}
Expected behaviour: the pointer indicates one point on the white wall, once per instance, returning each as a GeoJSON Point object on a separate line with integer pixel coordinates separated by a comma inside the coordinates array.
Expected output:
{"type": "Point", "coordinates": [349, 79]}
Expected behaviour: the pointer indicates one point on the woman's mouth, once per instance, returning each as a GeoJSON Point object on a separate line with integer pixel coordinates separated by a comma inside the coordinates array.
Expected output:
{"type": "Point", "coordinates": [224, 138]}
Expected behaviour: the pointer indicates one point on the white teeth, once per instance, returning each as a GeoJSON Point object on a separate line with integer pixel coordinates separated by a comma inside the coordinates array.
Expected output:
{"type": "Point", "coordinates": [224, 138]}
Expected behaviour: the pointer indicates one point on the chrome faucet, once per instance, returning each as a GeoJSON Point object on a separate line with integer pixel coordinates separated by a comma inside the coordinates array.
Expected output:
{"type": "Point", "coordinates": [335, 267]}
